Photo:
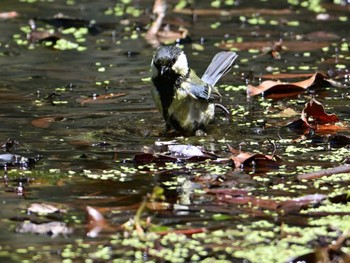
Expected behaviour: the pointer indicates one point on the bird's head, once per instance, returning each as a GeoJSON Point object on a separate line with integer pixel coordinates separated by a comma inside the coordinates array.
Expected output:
{"type": "Point", "coordinates": [169, 60]}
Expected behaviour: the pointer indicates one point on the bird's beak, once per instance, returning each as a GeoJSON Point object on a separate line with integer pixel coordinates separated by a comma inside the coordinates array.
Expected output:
{"type": "Point", "coordinates": [163, 69]}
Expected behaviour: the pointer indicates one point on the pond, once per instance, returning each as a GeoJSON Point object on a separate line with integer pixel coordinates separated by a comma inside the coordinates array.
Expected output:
{"type": "Point", "coordinates": [87, 172]}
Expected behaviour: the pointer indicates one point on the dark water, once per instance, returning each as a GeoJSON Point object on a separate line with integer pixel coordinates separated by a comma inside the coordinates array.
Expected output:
{"type": "Point", "coordinates": [99, 136]}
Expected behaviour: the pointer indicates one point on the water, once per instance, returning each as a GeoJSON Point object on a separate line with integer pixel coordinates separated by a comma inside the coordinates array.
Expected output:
{"type": "Point", "coordinates": [43, 106]}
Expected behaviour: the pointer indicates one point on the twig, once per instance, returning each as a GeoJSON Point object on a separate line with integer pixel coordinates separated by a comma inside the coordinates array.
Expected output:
{"type": "Point", "coordinates": [318, 174]}
{"type": "Point", "coordinates": [159, 10]}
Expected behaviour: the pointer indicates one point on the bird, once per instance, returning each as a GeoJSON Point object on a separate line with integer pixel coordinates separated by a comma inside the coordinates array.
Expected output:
{"type": "Point", "coordinates": [187, 102]}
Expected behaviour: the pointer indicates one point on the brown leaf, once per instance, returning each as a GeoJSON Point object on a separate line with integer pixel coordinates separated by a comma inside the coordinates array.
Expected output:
{"type": "Point", "coordinates": [157, 34]}
{"type": "Point", "coordinates": [100, 99]}
{"type": "Point", "coordinates": [315, 117]}
{"type": "Point", "coordinates": [286, 75]}
{"type": "Point", "coordinates": [95, 220]}
{"type": "Point", "coordinates": [45, 122]}
{"type": "Point", "coordinates": [248, 159]}
{"type": "Point", "coordinates": [7, 15]}
{"type": "Point", "coordinates": [270, 87]}
{"type": "Point", "coordinates": [314, 114]}
{"type": "Point", "coordinates": [42, 36]}
{"type": "Point", "coordinates": [296, 204]}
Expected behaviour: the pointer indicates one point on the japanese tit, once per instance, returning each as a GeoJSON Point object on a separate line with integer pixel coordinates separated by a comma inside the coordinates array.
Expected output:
{"type": "Point", "coordinates": [186, 102]}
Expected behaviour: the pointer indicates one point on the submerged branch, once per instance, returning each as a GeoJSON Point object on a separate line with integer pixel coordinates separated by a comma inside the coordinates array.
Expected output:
{"type": "Point", "coordinates": [318, 174]}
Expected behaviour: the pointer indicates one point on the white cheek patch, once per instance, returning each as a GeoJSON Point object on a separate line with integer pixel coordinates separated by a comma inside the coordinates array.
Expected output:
{"type": "Point", "coordinates": [181, 67]}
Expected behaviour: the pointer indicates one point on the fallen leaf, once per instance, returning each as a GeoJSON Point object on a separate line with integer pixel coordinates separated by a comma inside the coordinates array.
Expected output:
{"type": "Point", "coordinates": [175, 153]}
{"type": "Point", "coordinates": [100, 99]}
{"type": "Point", "coordinates": [45, 122]}
{"type": "Point", "coordinates": [43, 36]}
{"type": "Point", "coordinates": [52, 229]}
{"type": "Point", "coordinates": [95, 222]}
{"type": "Point", "coordinates": [314, 114]}
{"type": "Point", "coordinates": [157, 34]}
{"type": "Point", "coordinates": [7, 15]}
{"type": "Point", "coordinates": [270, 87]}
{"type": "Point", "coordinates": [242, 159]}
{"type": "Point", "coordinates": [315, 118]}
{"type": "Point", "coordinates": [288, 112]}
{"type": "Point", "coordinates": [44, 209]}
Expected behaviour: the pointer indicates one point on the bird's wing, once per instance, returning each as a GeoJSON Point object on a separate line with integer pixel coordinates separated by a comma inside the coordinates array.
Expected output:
{"type": "Point", "coordinates": [200, 90]}
{"type": "Point", "coordinates": [219, 66]}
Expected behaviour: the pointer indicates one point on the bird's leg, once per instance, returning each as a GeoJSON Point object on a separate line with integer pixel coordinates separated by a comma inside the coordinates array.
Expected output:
{"type": "Point", "coordinates": [226, 111]}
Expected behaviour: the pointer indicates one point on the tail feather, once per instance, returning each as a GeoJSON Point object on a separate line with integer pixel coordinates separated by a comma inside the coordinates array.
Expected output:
{"type": "Point", "coordinates": [219, 66]}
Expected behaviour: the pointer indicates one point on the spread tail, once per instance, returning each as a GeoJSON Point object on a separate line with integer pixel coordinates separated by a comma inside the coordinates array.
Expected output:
{"type": "Point", "coordinates": [219, 66]}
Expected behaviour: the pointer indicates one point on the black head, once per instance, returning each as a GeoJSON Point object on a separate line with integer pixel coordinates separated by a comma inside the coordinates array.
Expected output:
{"type": "Point", "coordinates": [170, 58]}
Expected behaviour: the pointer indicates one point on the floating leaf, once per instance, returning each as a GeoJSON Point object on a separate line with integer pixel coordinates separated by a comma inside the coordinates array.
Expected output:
{"type": "Point", "coordinates": [96, 222]}
{"type": "Point", "coordinates": [157, 34]}
{"type": "Point", "coordinates": [100, 99]}
{"type": "Point", "coordinates": [45, 122]}
{"type": "Point", "coordinates": [242, 159]}
{"type": "Point", "coordinates": [315, 117]}
{"type": "Point", "coordinates": [175, 153]}
{"type": "Point", "coordinates": [270, 87]}
{"type": "Point", "coordinates": [8, 15]}
{"type": "Point", "coordinates": [314, 114]}
{"type": "Point", "coordinates": [52, 229]}
{"type": "Point", "coordinates": [43, 36]}
{"type": "Point", "coordinates": [44, 209]}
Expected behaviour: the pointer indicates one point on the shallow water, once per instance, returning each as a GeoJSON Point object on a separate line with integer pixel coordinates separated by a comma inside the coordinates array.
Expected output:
{"type": "Point", "coordinates": [98, 136]}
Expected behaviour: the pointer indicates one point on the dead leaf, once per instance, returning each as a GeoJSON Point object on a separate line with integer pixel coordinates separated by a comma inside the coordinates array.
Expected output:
{"type": "Point", "coordinates": [270, 87]}
{"type": "Point", "coordinates": [157, 34]}
{"type": "Point", "coordinates": [100, 99]}
{"type": "Point", "coordinates": [44, 209]}
{"type": "Point", "coordinates": [314, 114]}
{"type": "Point", "coordinates": [95, 222]}
{"type": "Point", "coordinates": [43, 36]}
{"type": "Point", "coordinates": [8, 15]}
{"type": "Point", "coordinates": [288, 112]}
{"type": "Point", "coordinates": [45, 122]}
{"type": "Point", "coordinates": [242, 159]}
{"type": "Point", "coordinates": [315, 118]}
{"type": "Point", "coordinates": [274, 49]}
{"type": "Point", "coordinates": [52, 228]}
{"type": "Point", "coordinates": [175, 153]}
